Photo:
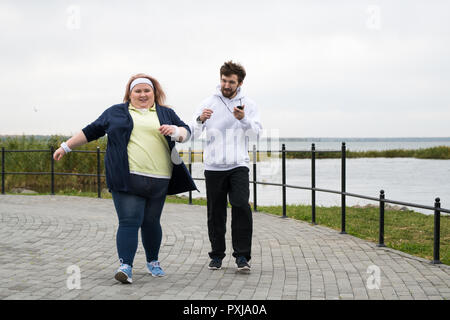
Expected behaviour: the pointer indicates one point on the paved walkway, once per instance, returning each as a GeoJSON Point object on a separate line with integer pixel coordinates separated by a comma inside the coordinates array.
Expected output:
{"type": "Point", "coordinates": [44, 239]}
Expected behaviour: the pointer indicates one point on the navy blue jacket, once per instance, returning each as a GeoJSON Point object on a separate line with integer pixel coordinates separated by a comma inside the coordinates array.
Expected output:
{"type": "Point", "coordinates": [117, 123]}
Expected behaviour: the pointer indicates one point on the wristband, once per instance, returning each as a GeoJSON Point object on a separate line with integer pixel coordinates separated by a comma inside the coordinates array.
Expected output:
{"type": "Point", "coordinates": [65, 147]}
{"type": "Point", "coordinates": [176, 134]}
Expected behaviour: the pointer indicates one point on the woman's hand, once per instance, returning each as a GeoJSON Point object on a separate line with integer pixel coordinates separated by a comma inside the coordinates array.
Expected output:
{"type": "Point", "coordinates": [178, 134]}
{"type": "Point", "coordinates": [77, 140]}
{"type": "Point", "coordinates": [59, 153]}
{"type": "Point", "coordinates": [166, 130]}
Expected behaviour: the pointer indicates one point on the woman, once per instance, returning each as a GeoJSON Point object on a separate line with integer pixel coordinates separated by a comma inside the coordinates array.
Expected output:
{"type": "Point", "coordinates": [139, 171]}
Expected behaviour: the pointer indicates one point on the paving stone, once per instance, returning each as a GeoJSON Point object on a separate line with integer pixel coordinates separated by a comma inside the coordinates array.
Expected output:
{"type": "Point", "coordinates": [291, 260]}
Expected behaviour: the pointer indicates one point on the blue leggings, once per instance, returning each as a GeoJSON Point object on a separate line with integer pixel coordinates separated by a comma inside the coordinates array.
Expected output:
{"type": "Point", "coordinates": [136, 212]}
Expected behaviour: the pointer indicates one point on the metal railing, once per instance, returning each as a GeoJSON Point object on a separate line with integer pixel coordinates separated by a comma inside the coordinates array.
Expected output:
{"type": "Point", "coordinates": [52, 172]}
{"type": "Point", "coordinates": [381, 199]}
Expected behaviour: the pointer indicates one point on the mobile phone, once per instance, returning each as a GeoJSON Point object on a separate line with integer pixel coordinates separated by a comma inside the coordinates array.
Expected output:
{"type": "Point", "coordinates": [240, 107]}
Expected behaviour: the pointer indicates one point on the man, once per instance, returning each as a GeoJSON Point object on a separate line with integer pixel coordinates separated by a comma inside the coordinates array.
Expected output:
{"type": "Point", "coordinates": [229, 119]}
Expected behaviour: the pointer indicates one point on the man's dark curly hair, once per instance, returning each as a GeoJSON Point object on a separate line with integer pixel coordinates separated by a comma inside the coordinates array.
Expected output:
{"type": "Point", "coordinates": [230, 68]}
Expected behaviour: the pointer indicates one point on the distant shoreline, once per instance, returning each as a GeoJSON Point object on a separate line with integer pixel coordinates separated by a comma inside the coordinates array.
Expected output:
{"type": "Point", "coordinates": [437, 153]}
{"type": "Point", "coordinates": [442, 152]}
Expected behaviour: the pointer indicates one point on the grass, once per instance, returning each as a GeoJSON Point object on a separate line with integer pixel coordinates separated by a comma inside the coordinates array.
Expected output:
{"type": "Point", "coordinates": [407, 231]}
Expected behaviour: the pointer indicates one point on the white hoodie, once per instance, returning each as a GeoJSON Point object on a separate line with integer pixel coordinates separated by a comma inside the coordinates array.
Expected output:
{"type": "Point", "coordinates": [226, 137]}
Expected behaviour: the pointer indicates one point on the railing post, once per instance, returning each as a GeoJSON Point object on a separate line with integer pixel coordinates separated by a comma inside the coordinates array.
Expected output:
{"type": "Point", "coordinates": [190, 172]}
{"type": "Point", "coordinates": [313, 183]}
{"type": "Point", "coordinates": [283, 177]}
{"type": "Point", "coordinates": [381, 234]}
{"type": "Point", "coordinates": [343, 189]}
{"type": "Point", "coordinates": [437, 231]}
{"type": "Point", "coordinates": [255, 207]}
{"type": "Point", "coordinates": [3, 170]}
{"type": "Point", "coordinates": [52, 172]}
{"type": "Point", "coordinates": [99, 190]}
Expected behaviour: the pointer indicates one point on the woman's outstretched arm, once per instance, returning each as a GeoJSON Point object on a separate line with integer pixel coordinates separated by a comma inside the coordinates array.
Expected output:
{"type": "Point", "coordinates": [76, 141]}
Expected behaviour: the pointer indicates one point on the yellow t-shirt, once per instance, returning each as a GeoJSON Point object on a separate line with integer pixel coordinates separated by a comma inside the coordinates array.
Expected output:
{"type": "Point", "coordinates": [148, 150]}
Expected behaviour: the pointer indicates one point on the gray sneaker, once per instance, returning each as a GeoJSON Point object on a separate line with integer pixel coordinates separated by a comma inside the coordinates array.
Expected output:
{"type": "Point", "coordinates": [242, 264]}
{"type": "Point", "coordinates": [215, 264]}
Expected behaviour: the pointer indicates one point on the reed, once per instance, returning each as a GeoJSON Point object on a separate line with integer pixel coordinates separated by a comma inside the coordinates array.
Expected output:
{"type": "Point", "coordinates": [439, 152]}
{"type": "Point", "coordinates": [86, 163]}
{"type": "Point", "coordinates": [39, 160]}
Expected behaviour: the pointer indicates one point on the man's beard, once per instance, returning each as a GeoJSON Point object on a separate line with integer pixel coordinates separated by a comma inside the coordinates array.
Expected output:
{"type": "Point", "coordinates": [228, 93]}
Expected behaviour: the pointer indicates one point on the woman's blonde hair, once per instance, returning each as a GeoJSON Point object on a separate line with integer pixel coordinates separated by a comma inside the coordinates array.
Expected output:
{"type": "Point", "coordinates": [160, 96]}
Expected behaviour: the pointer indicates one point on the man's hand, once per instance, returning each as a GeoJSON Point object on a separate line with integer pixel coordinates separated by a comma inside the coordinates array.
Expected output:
{"type": "Point", "coordinates": [206, 114]}
{"type": "Point", "coordinates": [238, 113]}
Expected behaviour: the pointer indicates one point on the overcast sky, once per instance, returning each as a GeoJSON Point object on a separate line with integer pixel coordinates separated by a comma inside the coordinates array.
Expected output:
{"type": "Point", "coordinates": [314, 68]}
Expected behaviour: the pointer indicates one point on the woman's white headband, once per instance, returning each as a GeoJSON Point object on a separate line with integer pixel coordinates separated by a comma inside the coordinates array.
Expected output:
{"type": "Point", "coordinates": [141, 80]}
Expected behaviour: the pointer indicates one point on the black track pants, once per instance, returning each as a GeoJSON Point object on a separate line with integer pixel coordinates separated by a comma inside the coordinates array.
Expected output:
{"type": "Point", "coordinates": [234, 184]}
